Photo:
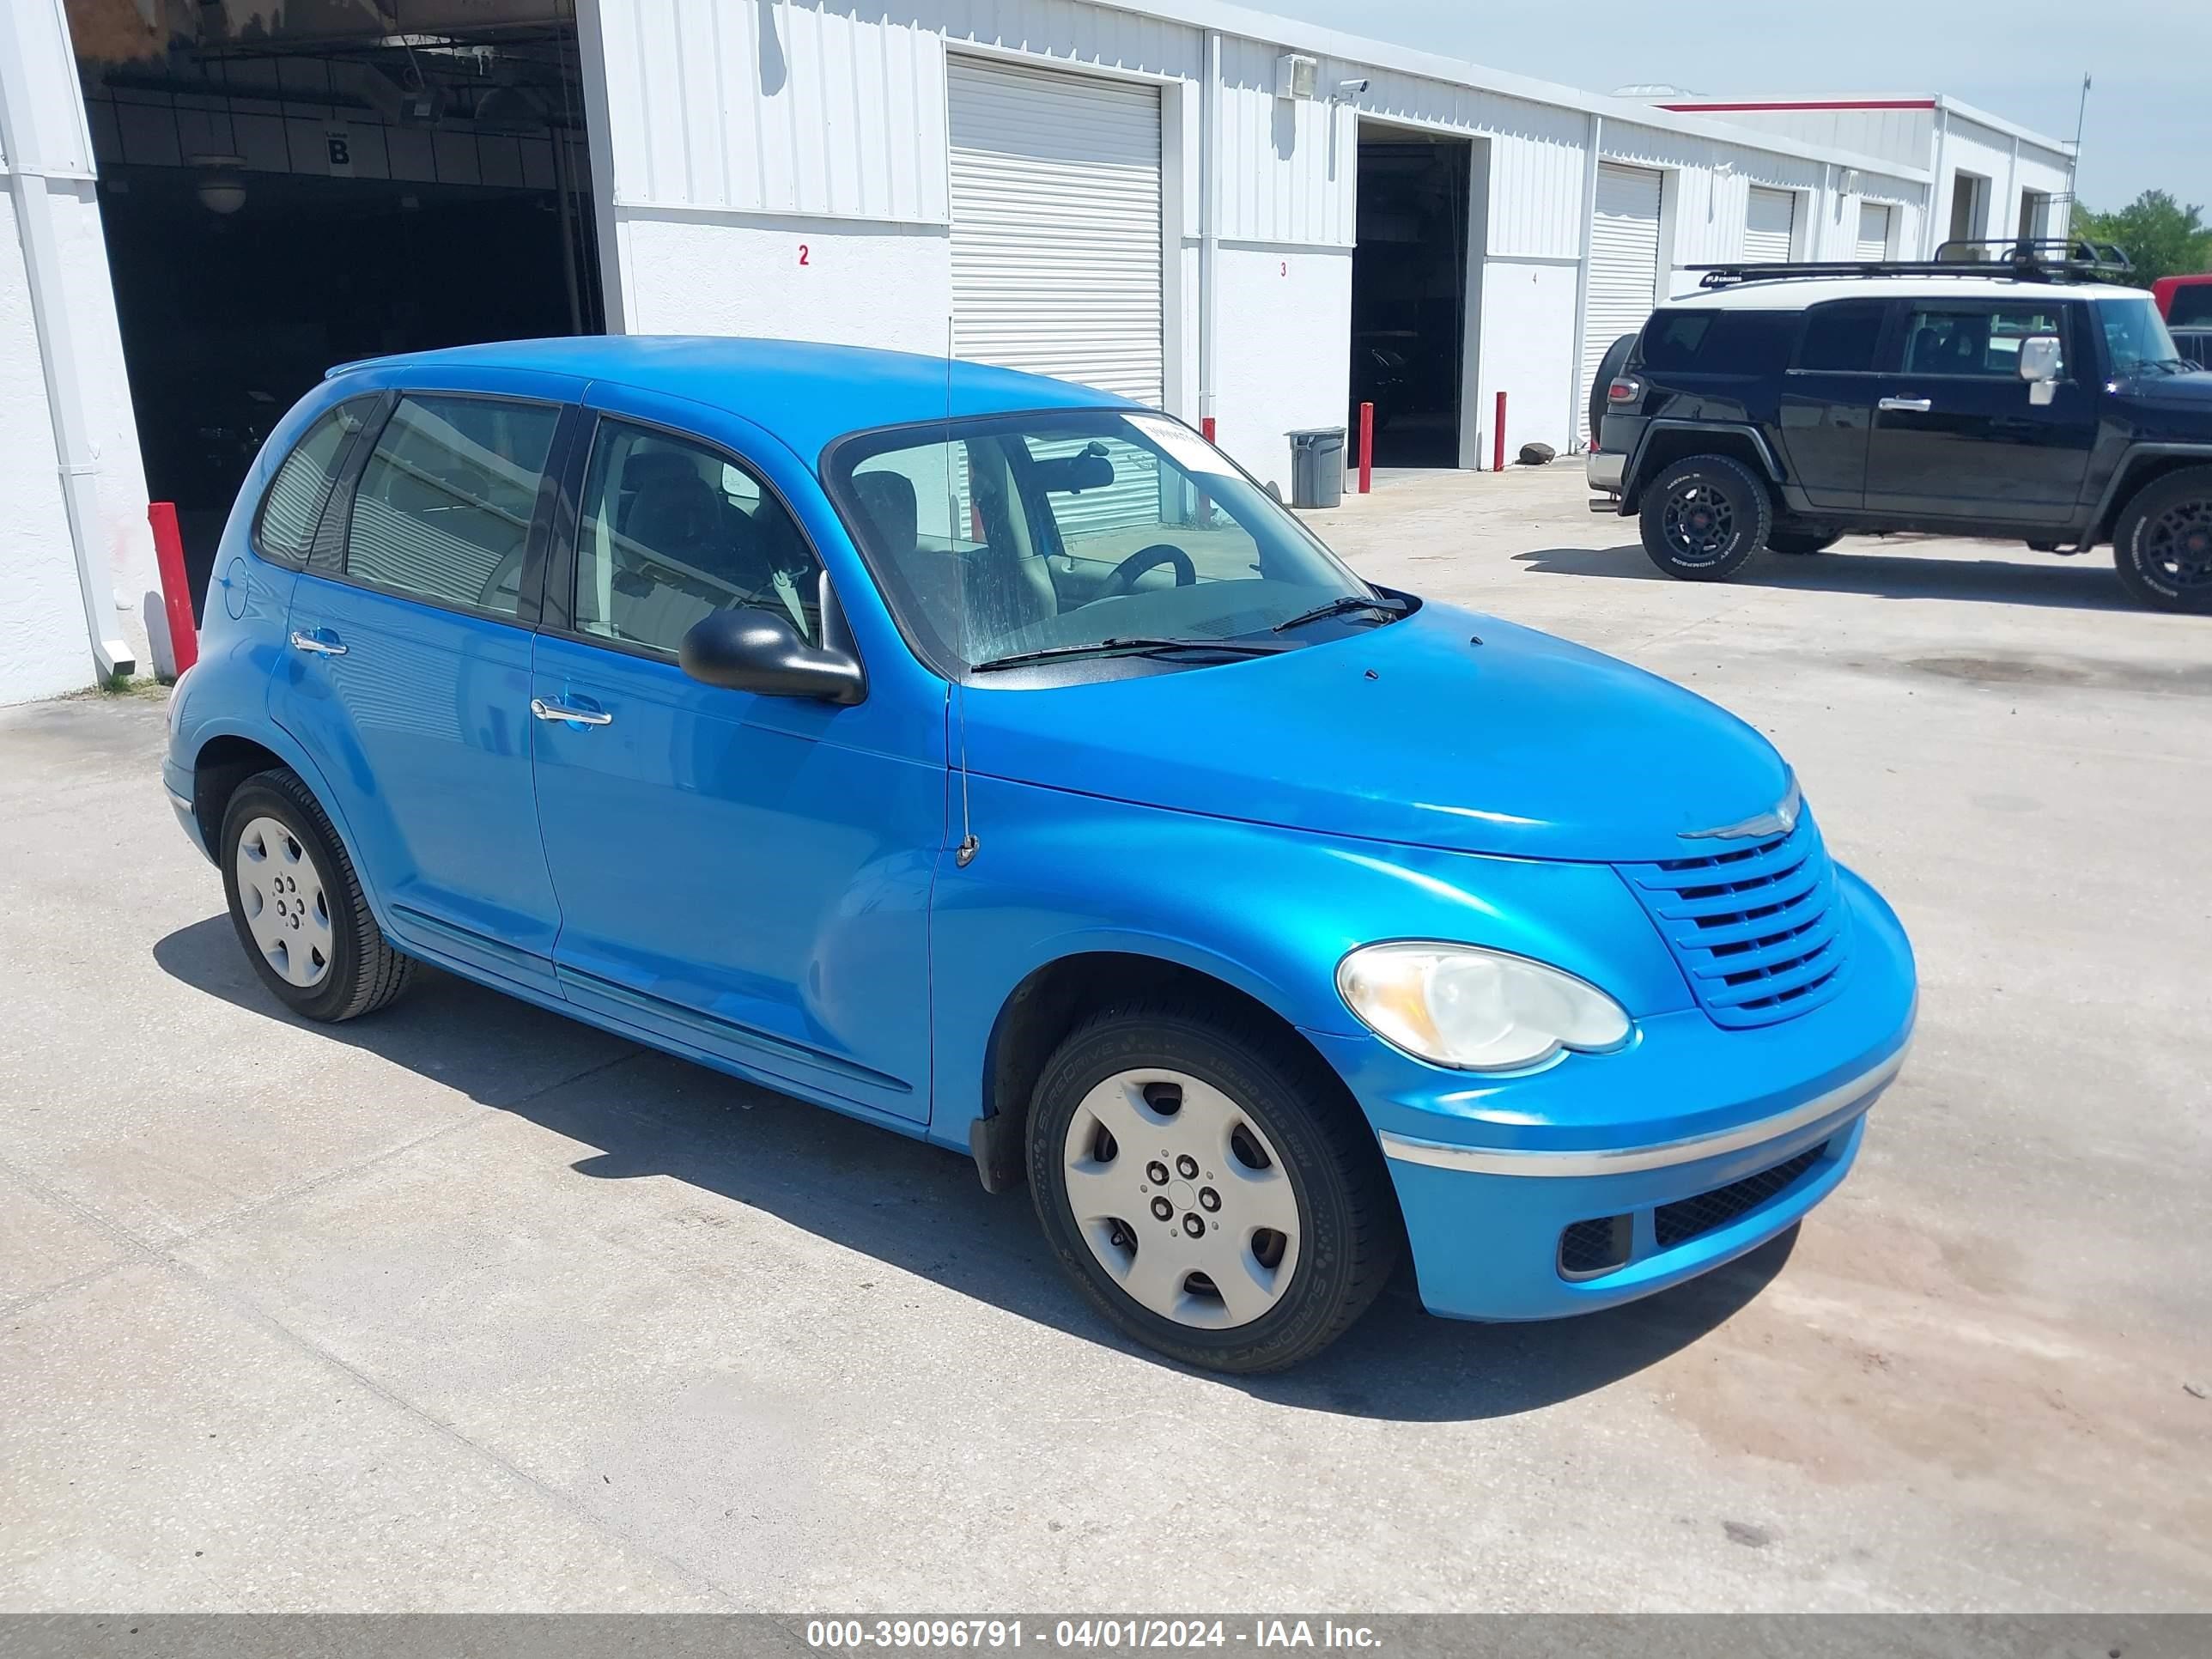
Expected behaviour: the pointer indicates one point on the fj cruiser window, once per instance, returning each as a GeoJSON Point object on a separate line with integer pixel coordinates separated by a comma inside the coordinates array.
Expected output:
{"type": "Point", "coordinates": [1842, 337]}
{"type": "Point", "coordinates": [1960, 340]}
{"type": "Point", "coordinates": [1719, 341]}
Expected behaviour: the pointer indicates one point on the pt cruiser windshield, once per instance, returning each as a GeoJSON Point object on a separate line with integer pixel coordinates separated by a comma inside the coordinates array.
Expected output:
{"type": "Point", "coordinates": [1030, 538]}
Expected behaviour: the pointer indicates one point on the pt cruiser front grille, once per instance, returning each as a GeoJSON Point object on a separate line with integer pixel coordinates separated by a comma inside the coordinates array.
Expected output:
{"type": "Point", "coordinates": [1691, 1218]}
{"type": "Point", "coordinates": [1757, 928]}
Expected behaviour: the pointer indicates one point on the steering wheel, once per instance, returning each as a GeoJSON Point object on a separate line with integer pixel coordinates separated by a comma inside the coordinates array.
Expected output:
{"type": "Point", "coordinates": [1124, 579]}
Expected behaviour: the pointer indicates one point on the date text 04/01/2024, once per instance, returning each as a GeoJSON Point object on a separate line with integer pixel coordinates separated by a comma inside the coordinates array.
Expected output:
{"type": "Point", "coordinates": [855, 1634]}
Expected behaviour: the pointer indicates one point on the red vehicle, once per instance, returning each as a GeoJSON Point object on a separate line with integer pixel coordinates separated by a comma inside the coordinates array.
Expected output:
{"type": "Point", "coordinates": [2184, 301]}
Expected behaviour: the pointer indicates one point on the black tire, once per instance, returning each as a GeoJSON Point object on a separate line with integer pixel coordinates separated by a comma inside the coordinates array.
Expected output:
{"type": "Point", "coordinates": [1349, 1235]}
{"type": "Point", "coordinates": [361, 972]}
{"type": "Point", "coordinates": [1607, 367]}
{"type": "Point", "coordinates": [1801, 541]}
{"type": "Point", "coordinates": [1703, 516]}
{"type": "Point", "coordinates": [2162, 545]}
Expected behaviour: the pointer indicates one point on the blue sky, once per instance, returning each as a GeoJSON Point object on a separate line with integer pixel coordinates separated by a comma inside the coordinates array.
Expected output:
{"type": "Point", "coordinates": [2150, 112]}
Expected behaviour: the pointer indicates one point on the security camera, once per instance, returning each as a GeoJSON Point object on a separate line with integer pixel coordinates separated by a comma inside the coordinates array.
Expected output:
{"type": "Point", "coordinates": [1352, 88]}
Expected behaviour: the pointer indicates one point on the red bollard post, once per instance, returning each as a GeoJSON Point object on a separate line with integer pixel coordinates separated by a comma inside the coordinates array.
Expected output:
{"type": "Point", "coordinates": [1205, 428]}
{"type": "Point", "coordinates": [176, 588]}
{"type": "Point", "coordinates": [1498, 438]}
{"type": "Point", "coordinates": [1206, 502]}
{"type": "Point", "coordinates": [1366, 447]}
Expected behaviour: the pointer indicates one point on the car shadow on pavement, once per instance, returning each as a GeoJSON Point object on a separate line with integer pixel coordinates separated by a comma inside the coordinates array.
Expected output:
{"type": "Point", "coordinates": [920, 1209]}
{"type": "Point", "coordinates": [2082, 583]}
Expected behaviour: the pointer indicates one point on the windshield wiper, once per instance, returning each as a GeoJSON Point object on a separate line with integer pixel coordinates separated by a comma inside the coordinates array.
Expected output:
{"type": "Point", "coordinates": [1138, 644]}
{"type": "Point", "coordinates": [1337, 607]}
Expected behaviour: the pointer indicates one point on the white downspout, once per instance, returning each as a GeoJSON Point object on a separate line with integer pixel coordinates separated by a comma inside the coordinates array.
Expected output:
{"type": "Point", "coordinates": [1209, 226]}
{"type": "Point", "coordinates": [1582, 289]}
{"type": "Point", "coordinates": [32, 182]}
{"type": "Point", "coordinates": [1939, 200]}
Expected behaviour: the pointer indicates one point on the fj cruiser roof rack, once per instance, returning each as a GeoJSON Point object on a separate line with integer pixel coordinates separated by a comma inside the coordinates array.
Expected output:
{"type": "Point", "coordinates": [2033, 259]}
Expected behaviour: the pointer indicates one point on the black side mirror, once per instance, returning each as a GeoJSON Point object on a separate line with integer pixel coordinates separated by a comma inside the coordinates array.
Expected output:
{"type": "Point", "coordinates": [749, 649]}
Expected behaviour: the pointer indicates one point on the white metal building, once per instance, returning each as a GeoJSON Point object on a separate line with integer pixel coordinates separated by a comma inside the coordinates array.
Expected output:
{"type": "Point", "coordinates": [1990, 177]}
{"type": "Point", "coordinates": [1231, 215]}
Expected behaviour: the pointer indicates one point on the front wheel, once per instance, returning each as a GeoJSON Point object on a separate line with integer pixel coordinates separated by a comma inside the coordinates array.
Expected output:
{"type": "Point", "coordinates": [1209, 1191]}
{"type": "Point", "coordinates": [1703, 517]}
{"type": "Point", "coordinates": [2162, 545]}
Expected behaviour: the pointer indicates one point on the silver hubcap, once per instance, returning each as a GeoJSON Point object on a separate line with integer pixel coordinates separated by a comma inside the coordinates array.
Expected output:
{"type": "Point", "coordinates": [1182, 1198]}
{"type": "Point", "coordinates": [281, 891]}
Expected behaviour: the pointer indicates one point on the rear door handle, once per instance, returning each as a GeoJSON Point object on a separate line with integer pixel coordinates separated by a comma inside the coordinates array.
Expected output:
{"type": "Point", "coordinates": [562, 711]}
{"type": "Point", "coordinates": [1906, 405]}
{"type": "Point", "coordinates": [317, 643]}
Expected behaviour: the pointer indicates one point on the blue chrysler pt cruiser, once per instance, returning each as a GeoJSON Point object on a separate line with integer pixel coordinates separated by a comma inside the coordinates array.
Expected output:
{"type": "Point", "coordinates": [992, 759]}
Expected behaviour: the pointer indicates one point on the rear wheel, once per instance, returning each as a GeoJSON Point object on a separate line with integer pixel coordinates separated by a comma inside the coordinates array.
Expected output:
{"type": "Point", "coordinates": [1801, 541]}
{"type": "Point", "coordinates": [2162, 545]}
{"type": "Point", "coordinates": [1210, 1193]}
{"type": "Point", "coordinates": [1703, 517]}
{"type": "Point", "coordinates": [297, 905]}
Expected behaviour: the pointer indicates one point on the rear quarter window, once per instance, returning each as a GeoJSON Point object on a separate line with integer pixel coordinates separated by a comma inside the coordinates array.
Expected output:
{"type": "Point", "coordinates": [1748, 342]}
{"type": "Point", "coordinates": [2192, 306]}
{"type": "Point", "coordinates": [285, 529]}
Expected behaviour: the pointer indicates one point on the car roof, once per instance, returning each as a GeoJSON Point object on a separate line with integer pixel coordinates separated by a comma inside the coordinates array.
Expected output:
{"type": "Point", "coordinates": [1795, 293]}
{"type": "Point", "coordinates": [805, 393]}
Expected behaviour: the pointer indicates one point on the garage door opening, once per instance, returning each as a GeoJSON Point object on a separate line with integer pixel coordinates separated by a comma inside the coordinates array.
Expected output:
{"type": "Point", "coordinates": [1409, 295]}
{"type": "Point", "coordinates": [283, 190]}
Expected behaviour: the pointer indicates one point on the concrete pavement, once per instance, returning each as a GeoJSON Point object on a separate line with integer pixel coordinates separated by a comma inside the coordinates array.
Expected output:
{"type": "Point", "coordinates": [467, 1306]}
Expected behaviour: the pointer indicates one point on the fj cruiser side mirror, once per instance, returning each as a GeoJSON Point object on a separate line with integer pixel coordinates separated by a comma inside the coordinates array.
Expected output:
{"type": "Point", "coordinates": [749, 649]}
{"type": "Point", "coordinates": [2038, 366]}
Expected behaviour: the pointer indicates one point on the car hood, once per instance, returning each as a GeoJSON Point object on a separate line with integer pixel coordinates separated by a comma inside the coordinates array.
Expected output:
{"type": "Point", "coordinates": [1412, 733]}
{"type": "Point", "coordinates": [2189, 390]}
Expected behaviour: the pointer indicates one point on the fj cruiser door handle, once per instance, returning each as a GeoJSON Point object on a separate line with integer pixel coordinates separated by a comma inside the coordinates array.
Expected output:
{"type": "Point", "coordinates": [1906, 405]}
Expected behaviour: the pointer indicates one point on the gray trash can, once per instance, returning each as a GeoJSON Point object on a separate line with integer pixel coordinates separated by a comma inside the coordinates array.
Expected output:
{"type": "Point", "coordinates": [1317, 466]}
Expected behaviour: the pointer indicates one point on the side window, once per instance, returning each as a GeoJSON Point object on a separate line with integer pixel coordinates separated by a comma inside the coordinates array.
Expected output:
{"type": "Point", "coordinates": [1671, 338]}
{"type": "Point", "coordinates": [1842, 337]}
{"type": "Point", "coordinates": [294, 502]}
{"type": "Point", "coordinates": [1748, 342]}
{"type": "Point", "coordinates": [672, 530]}
{"type": "Point", "coordinates": [444, 508]}
{"type": "Point", "coordinates": [1938, 341]}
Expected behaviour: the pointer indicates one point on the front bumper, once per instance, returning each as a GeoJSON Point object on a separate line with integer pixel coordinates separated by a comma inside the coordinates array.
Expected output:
{"type": "Point", "coordinates": [1491, 1173]}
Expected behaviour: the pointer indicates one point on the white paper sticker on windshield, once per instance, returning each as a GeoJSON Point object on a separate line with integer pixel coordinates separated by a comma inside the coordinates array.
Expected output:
{"type": "Point", "coordinates": [1180, 445]}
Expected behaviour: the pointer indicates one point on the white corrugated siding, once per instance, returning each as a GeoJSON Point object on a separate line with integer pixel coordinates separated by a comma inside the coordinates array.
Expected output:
{"type": "Point", "coordinates": [1623, 269]}
{"type": "Point", "coordinates": [1770, 223]}
{"type": "Point", "coordinates": [1056, 240]}
{"type": "Point", "coordinates": [1056, 226]}
{"type": "Point", "coordinates": [1873, 232]}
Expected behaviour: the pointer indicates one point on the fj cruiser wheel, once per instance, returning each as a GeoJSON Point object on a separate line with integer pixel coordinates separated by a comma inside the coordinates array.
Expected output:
{"type": "Point", "coordinates": [2162, 545]}
{"type": "Point", "coordinates": [298, 906]}
{"type": "Point", "coordinates": [1207, 1190]}
{"type": "Point", "coordinates": [1703, 517]}
{"type": "Point", "coordinates": [1801, 541]}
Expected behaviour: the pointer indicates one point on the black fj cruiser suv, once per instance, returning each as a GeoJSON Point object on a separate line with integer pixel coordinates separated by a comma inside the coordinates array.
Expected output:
{"type": "Point", "coordinates": [1785, 407]}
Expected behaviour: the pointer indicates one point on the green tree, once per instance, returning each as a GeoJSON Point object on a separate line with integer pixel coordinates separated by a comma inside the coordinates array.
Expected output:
{"type": "Point", "coordinates": [2162, 237]}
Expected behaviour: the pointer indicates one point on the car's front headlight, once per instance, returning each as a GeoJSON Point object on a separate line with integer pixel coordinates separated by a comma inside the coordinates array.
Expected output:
{"type": "Point", "coordinates": [1476, 1010]}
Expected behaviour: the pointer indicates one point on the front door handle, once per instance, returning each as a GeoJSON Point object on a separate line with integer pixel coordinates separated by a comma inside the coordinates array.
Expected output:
{"type": "Point", "coordinates": [1906, 405]}
{"type": "Point", "coordinates": [316, 644]}
{"type": "Point", "coordinates": [561, 711]}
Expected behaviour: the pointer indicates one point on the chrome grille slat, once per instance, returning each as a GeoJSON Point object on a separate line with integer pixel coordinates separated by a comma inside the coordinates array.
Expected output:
{"type": "Point", "coordinates": [1756, 929]}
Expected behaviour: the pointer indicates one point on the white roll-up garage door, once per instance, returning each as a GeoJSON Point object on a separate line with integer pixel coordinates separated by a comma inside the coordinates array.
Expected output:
{"type": "Point", "coordinates": [1056, 226]}
{"type": "Point", "coordinates": [1873, 232]}
{"type": "Point", "coordinates": [1769, 225]}
{"type": "Point", "coordinates": [1624, 268]}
